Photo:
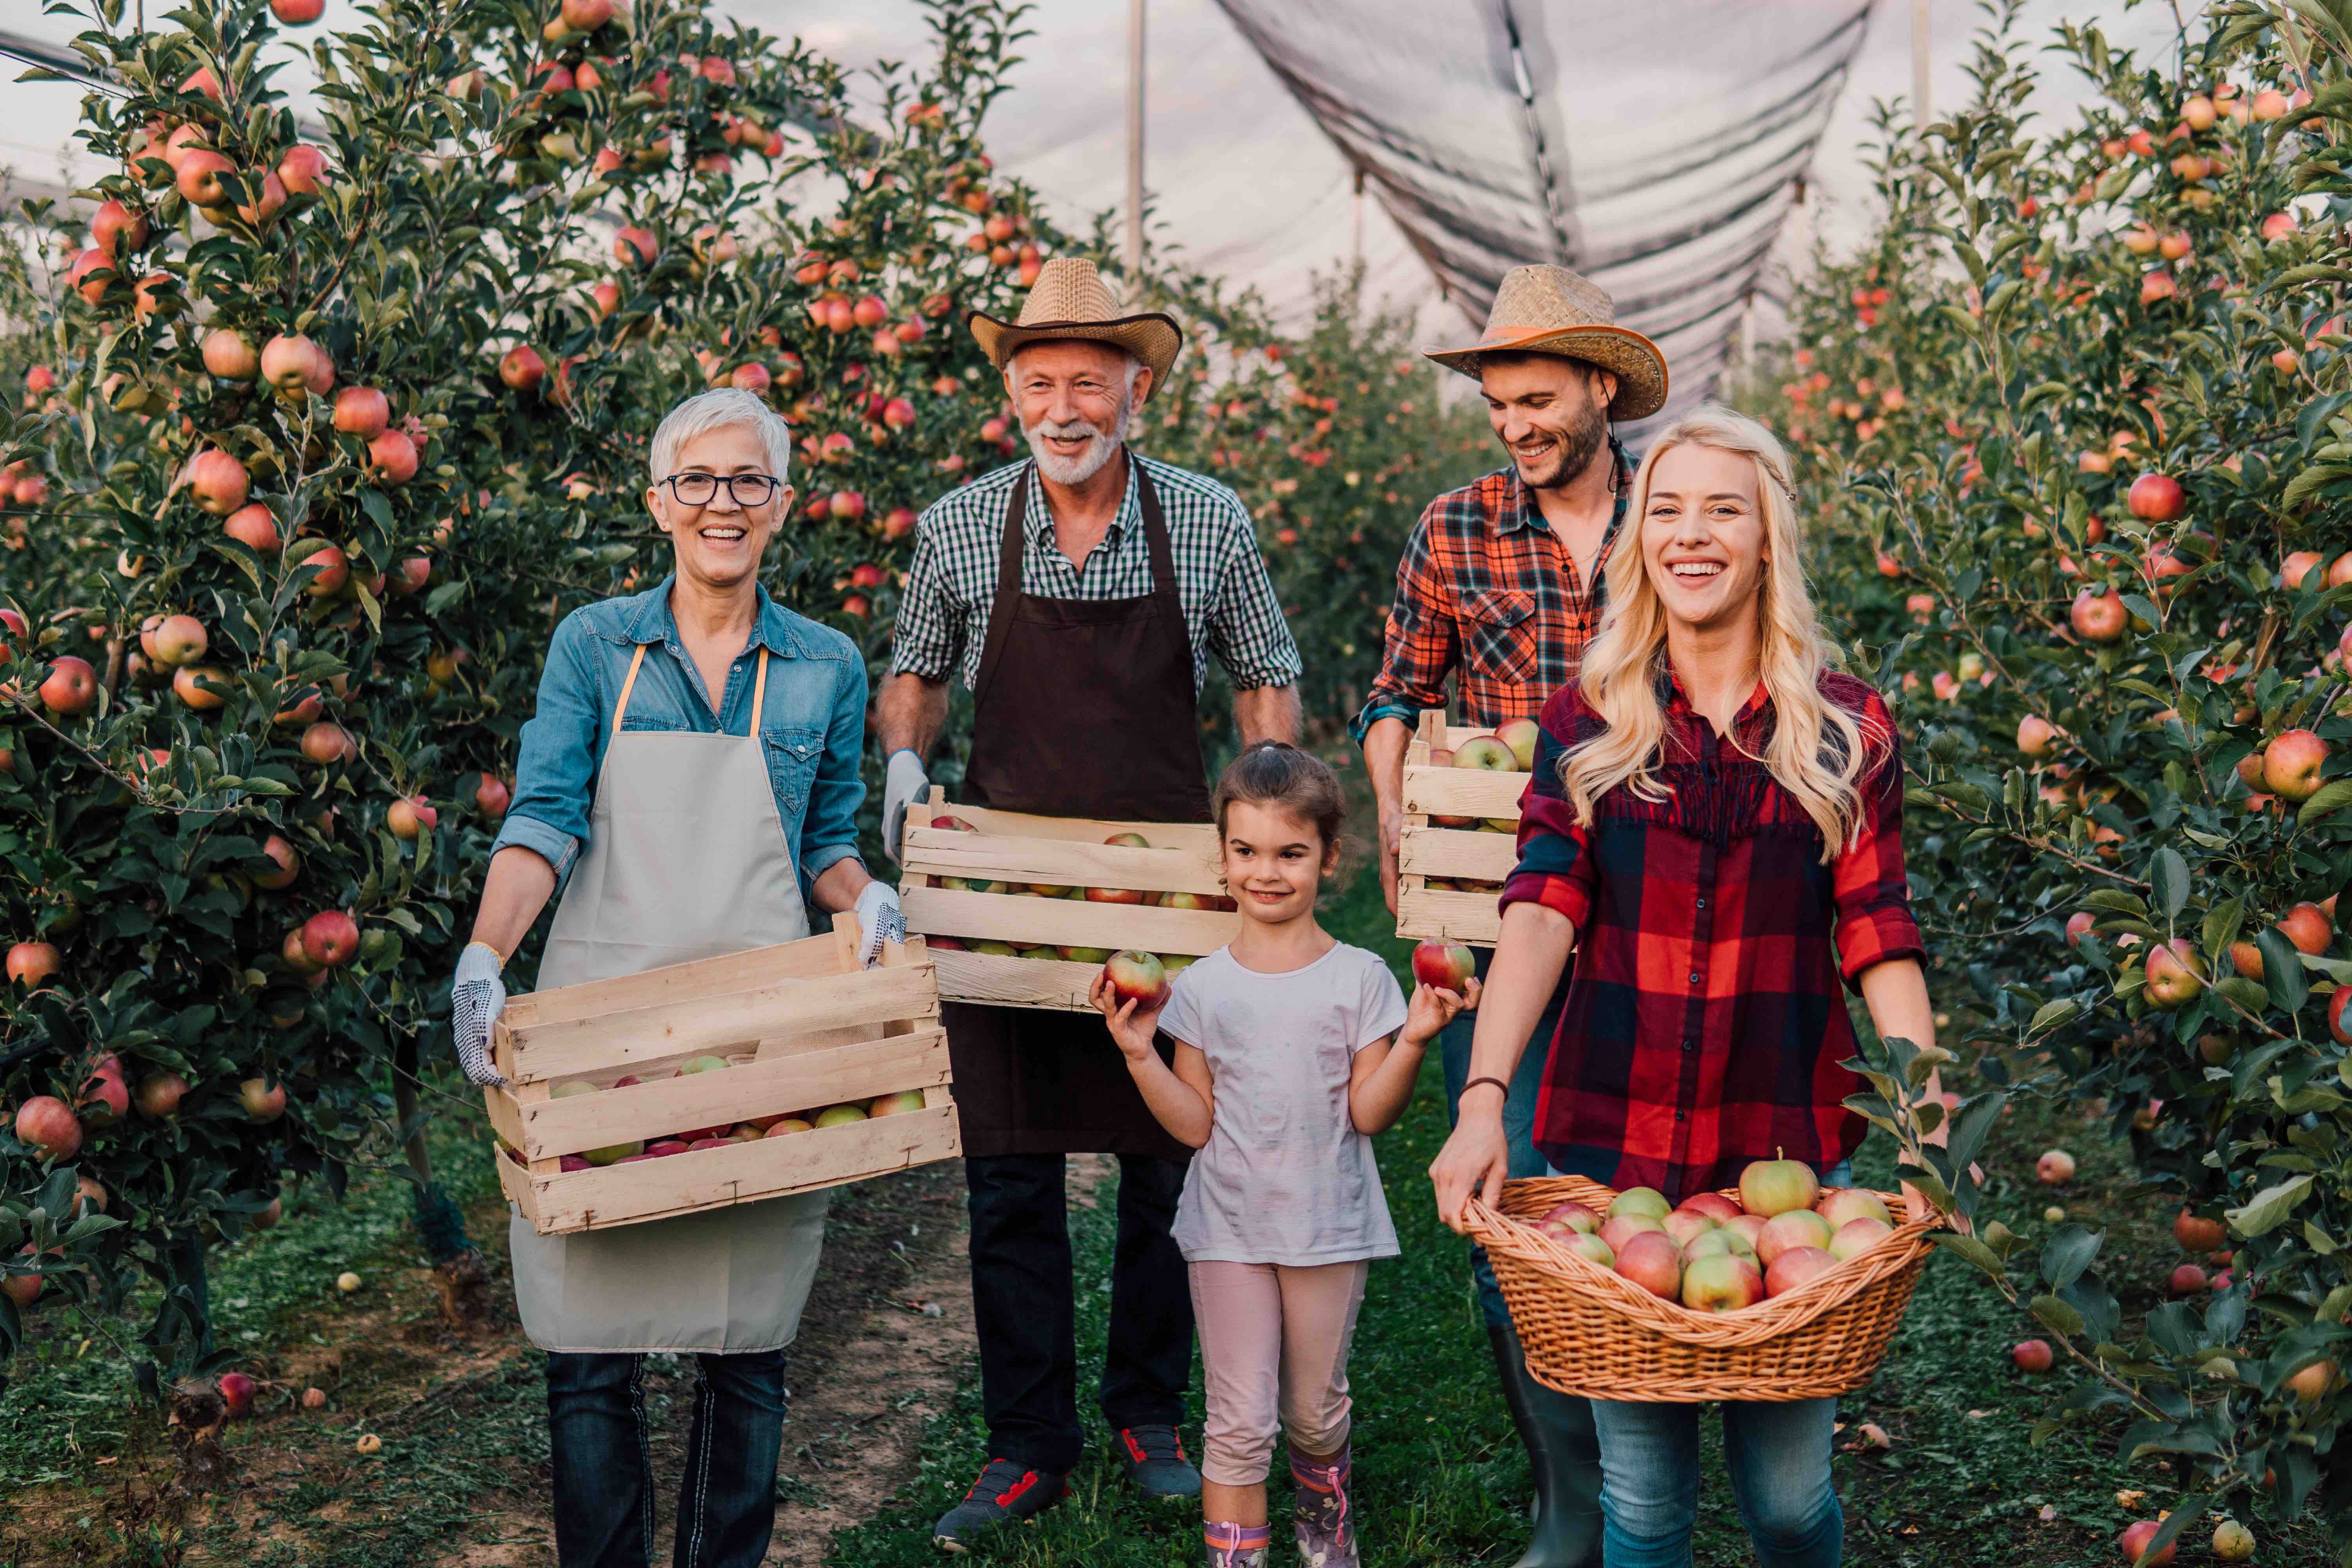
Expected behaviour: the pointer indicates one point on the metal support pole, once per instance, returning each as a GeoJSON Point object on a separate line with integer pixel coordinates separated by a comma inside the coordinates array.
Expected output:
{"type": "Point", "coordinates": [1920, 111]}
{"type": "Point", "coordinates": [1134, 141]}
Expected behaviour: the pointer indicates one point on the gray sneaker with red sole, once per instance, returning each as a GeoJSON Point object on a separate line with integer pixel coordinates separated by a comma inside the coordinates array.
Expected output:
{"type": "Point", "coordinates": [1005, 1494]}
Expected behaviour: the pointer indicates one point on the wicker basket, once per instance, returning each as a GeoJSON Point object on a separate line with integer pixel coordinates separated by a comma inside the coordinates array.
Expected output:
{"type": "Point", "coordinates": [1591, 1331]}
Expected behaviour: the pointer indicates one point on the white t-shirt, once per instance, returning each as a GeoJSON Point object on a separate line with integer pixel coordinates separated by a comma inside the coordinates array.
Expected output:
{"type": "Point", "coordinates": [1284, 1177]}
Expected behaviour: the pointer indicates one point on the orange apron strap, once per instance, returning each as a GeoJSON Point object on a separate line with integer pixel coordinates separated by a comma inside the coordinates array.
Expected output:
{"type": "Point", "coordinates": [621, 707]}
{"type": "Point", "coordinates": [759, 694]}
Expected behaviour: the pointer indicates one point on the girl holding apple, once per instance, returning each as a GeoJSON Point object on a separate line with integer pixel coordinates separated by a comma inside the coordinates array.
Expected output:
{"type": "Point", "coordinates": [1291, 1049]}
{"type": "Point", "coordinates": [1714, 830]}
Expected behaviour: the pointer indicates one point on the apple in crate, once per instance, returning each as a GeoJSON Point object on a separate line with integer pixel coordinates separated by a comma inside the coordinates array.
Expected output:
{"type": "Point", "coordinates": [1175, 964]}
{"type": "Point", "coordinates": [662, 1147]}
{"type": "Point", "coordinates": [711, 1144]}
{"type": "Point", "coordinates": [612, 1154]}
{"type": "Point", "coordinates": [839, 1115]}
{"type": "Point", "coordinates": [1443, 965]}
{"type": "Point", "coordinates": [1138, 977]}
{"type": "Point", "coordinates": [790, 1125]}
{"type": "Point", "coordinates": [1486, 754]}
{"type": "Point", "coordinates": [953, 824]}
{"type": "Point", "coordinates": [1130, 840]}
{"type": "Point", "coordinates": [1521, 735]}
{"type": "Point", "coordinates": [1775, 1186]}
{"type": "Point", "coordinates": [1083, 954]}
{"type": "Point", "coordinates": [897, 1104]}
{"type": "Point", "coordinates": [1187, 901]}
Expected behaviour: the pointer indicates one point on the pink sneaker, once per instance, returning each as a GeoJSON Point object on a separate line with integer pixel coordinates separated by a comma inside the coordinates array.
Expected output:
{"type": "Point", "coordinates": [1323, 1516]}
{"type": "Point", "coordinates": [1235, 1545]}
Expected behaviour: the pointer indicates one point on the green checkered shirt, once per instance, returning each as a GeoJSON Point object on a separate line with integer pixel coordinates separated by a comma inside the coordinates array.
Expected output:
{"type": "Point", "coordinates": [1230, 607]}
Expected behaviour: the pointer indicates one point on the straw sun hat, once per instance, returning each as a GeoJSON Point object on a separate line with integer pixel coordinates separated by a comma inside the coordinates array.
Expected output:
{"type": "Point", "coordinates": [1069, 300]}
{"type": "Point", "coordinates": [1551, 310]}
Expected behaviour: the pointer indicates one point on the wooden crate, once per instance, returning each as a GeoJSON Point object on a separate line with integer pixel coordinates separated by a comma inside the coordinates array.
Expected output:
{"type": "Point", "coordinates": [1056, 851]}
{"type": "Point", "coordinates": [1426, 852]}
{"type": "Point", "coordinates": [804, 1027]}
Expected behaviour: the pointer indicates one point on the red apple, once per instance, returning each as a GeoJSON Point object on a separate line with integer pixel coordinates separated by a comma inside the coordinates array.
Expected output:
{"type": "Point", "coordinates": [2098, 615]}
{"type": "Point", "coordinates": [491, 796]}
{"type": "Point", "coordinates": [2306, 926]}
{"type": "Point", "coordinates": [521, 368]}
{"type": "Point", "coordinates": [236, 1395]}
{"type": "Point", "coordinates": [328, 742]}
{"type": "Point", "coordinates": [2135, 1541]}
{"type": "Point", "coordinates": [2291, 763]}
{"type": "Point", "coordinates": [2156, 498]}
{"type": "Point", "coordinates": [298, 14]}
{"type": "Point", "coordinates": [1569, 1217]}
{"type": "Point", "coordinates": [104, 1100]}
{"type": "Point", "coordinates": [1791, 1229]}
{"type": "Point", "coordinates": [1794, 1268]}
{"type": "Point", "coordinates": [1724, 1282]}
{"type": "Point", "coordinates": [1444, 965]}
{"type": "Point", "coordinates": [2187, 1279]}
{"type": "Point", "coordinates": [2308, 1383]}
{"type": "Point", "coordinates": [2336, 1025]}
{"type": "Point", "coordinates": [331, 938]}
{"type": "Point", "coordinates": [1138, 977]}
{"type": "Point", "coordinates": [1715, 1204]}
{"type": "Point", "coordinates": [393, 456]}
{"type": "Point", "coordinates": [1687, 1224]}
{"type": "Point", "coordinates": [1619, 1229]}
{"type": "Point", "coordinates": [263, 1100]}
{"type": "Point", "coordinates": [218, 481]}
{"type": "Point", "coordinates": [1770, 1187]}
{"type": "Point", "coordinates": [2078, 926]}
{"type": "Point", "coordinates": [2034, 735]}
{"type": "Point", "coordinates": [115, 228]}
{"type": "Point", "coordinates": [2032, 1355]}
{"type": "Point", "coordinates": [1857, 1237]}
{"type": "Point", "coordinates": [255, 527]}
{"type": "Point", "coordinates": [289, 362]}
{"type": "Point", "coordinates": [410, 816]}
{"type": "Point", "coordinates": [362, 411]}
{"type": "Point", "coordinates": [71, 687]}
{"type": "Point", "coordinates": [2175, 976]}
{"type": "Point", "coordinates": [1843, 1206]}
{"type": "Point", "coordinates": [160, 1095]}
{"type": "Point", "coordinates": [50, 1125]}
{"type": "Point", "coordinates": [1650, 1259]}
{"type": "Point", "coordinates": [303, 169]}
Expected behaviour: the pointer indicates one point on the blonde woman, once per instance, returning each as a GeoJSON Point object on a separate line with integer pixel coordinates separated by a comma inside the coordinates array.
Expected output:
{"type": "Point", "coordinates": [1714, 830]}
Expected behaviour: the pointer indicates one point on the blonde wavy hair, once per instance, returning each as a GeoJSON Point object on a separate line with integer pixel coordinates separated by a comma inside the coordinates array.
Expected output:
{"type": "Point", "coordinates": [1816, 751]}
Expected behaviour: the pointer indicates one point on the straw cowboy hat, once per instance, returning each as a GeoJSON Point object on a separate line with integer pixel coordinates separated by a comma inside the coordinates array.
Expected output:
{"type": "Point", "coordinates": [1069, 300]}
{"type": "Point", "coordinates": [1551, 310]}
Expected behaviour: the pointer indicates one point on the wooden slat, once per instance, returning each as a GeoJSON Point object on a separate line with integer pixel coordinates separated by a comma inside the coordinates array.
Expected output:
{"type": "Point", "coordinates": [801, 1081]}
{"type": "Point", "coordinates": [506, 1114]}
{"type": "Point", "coordinates": [516, 1183]}
{"type": "Point", "coordinates": [1201, 838]}
{"type": "Point", "coordinates": [693, 1024]}
{"type": "Point", "coordinates": [1457, 853]}
{"type": "Point", "coordinates": [758, 966]}
{"type": "Point", "coordinates": [1470, 918]}
{"type": "Point", "coordinates": [742, 1173]}
{"type": "Point", "coordinates": [1065, 923]}
{"type": "Point", "coordinates": [1017, 982]}
{"type": "Point", "coordinates": [1060, 862]}
{"type": "Point", "coordinates": [1434, 731]}
{"type": "Point", "coordinates": [1463, 792]}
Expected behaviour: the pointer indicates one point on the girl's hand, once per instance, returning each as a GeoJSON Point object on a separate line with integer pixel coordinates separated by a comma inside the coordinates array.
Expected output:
{"type": "Point", "coordinates": [1432, 1010]}
{"type": "Point", "coordinates": [1133, 1031]}
{"type": "Point", "coordinates": [1473, 1164]}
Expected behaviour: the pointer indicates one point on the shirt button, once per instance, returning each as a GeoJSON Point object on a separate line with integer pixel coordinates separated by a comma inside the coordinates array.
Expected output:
{"type": "Point", "coordinates": [1694, 976]}
{"type": "Point", "coordinates": [1679, 1115]}
{"type": "Point", "coordinates": [1702, 903]}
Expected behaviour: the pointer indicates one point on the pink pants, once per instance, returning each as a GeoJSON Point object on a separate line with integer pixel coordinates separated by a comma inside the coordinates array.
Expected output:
{"type": "Point", "coordinates": [1273, 1355]}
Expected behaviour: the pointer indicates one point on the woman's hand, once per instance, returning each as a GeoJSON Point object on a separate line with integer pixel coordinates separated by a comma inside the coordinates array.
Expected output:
{"type": "Point", "coordinates": [1134, 1031]}
{"type": "Point", "coordinates": [1473, 1164]}
{"type": "Point", "coordinates": [476, 997]}
{"type": "Point", "coordinates": [1433, 1009]}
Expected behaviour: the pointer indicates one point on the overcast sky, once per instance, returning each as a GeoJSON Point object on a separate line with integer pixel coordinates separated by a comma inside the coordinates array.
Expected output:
{"type": "Point", "coordinates": [1239, 175]}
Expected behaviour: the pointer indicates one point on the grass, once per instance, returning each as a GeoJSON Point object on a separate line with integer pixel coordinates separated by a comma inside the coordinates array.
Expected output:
{"type": "Point", "coordinates": [1441, 1478]}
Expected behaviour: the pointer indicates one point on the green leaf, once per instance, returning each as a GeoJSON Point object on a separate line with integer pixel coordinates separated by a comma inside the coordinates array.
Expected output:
{"type": "Point", "coordinates": [2067, 1253]}
{"type": "Point", "coordinates": [2281, 970]}
{"type": "Point", "coordinates": [2332, 796]}
{"type": "Point", "coordinates": [2055, 1315]}
{"type": "Point", "coordinates": [2267, 1209]}
{"type": "Point", "coordinates": [2168, 876]}
{"type": "Point", "coordinates": [2223, 923]}
{"type": "Point", "coordinates": [2051, 1014]}
{"type": "Point", "coordinates": [1969, 1247]}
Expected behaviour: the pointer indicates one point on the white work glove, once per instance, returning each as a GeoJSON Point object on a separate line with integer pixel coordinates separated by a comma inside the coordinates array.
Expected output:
{"type": "Point", "coordinates": [879, 921]}
{"type": "Point", "coordinates": [903, 784]}
{"type": "Point", "coordinates": [475, 998]}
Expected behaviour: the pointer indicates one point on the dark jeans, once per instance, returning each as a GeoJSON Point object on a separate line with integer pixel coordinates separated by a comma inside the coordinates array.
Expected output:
{"type": "Point", "coordinates": [1023, 1310]}
{"type": "Point", "coordinates": [1518, 1110]}
{"type": "Point", "coordinates": [599, 1441]}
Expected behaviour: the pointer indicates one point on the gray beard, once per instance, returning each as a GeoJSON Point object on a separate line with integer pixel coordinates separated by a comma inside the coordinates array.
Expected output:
{"type": "Point", "coordinates": [1078, 470]}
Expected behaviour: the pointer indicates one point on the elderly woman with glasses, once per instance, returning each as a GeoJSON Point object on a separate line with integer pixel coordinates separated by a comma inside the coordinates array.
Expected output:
{"type": "Point", "coordinates": [690, 781]}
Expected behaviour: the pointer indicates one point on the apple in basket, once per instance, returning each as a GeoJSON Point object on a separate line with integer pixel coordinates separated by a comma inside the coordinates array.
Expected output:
{"type": "Point", "coordinates": [1715, 1243]}
{"type": "Point", "coordinates": [1847, 1205]}
{"type": "Point", "coordinates": [1716, 1204]}
{"type": "Point", "coordinates": [1721, 1282]}
{"type": "Point", "coordinates": [1590, 1247]}
{"type": "Point", "coordinates": [1857, 1237]}
{"type": "Point", "coordinates": [1794, 1266]}
{"type": "Point", "coordinates": [1568, 1218]}
{"type": "Point", "coordinates": [1790, 1230]}
{"type": "Point", "coordinates": [1620, 1229]}
{"type": "Point", "coordinates": [1686, 1225]}
{"type": "Point", "coordinates": [1650, 1259]}
{"type": "Point", "coordinates": [1749, 1226]}
{"type": "Point", "coordinates": [1775, 1186]}
{"type": "Point", "coordinates": [1642, 1200]}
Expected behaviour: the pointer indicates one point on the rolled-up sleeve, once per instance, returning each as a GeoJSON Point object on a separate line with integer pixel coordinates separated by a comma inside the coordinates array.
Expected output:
{"type": "Point", "coordinates": [555, 776]}
{"type": "Point", "coordinates": [829, 830]}
{"type": "Point", "coordinates": [1555, 867]}
{"type": "Point", "coordinates": [927, 637]}
{"type": "Point", "coordinates": [1868, 883]}
{"type": "Point", "coordinates": [1421, 645]}
{"type": "Point", "coordinates": [1247, 632]}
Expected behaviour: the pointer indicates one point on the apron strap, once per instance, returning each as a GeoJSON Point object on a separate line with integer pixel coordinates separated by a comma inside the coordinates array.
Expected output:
{"type": "Point", "coordinates": [1163, 555]}
{"type": "Point", "coordinates": [758, 694]}
{"type": "Point", "coordinates": [1001, 609]}
{"type": "Point", "coordinates": [621, 707]}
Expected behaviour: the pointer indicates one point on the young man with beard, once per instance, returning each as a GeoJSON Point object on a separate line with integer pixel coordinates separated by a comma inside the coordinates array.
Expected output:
{"type": "Point", "coordinates": [1079, 594]}
{"type": "Point", "coordinates": [1500, 587]}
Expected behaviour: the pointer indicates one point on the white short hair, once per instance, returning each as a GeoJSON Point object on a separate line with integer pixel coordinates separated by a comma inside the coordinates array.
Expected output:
{"type": "Point", "coordinates": [717, 410]}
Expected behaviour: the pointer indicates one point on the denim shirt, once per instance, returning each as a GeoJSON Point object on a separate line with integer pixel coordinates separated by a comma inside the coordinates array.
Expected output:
{"type": "Point", "coordinates": [813, 731]}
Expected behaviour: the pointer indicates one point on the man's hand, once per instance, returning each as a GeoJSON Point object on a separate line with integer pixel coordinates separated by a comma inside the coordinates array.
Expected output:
{"type": "Point", "coordinates": [1473, 1164]}
{"type": "Point", "coordinates": [1391, 842]}
{"type": "Point", "coordinates": [879, 921]}
{"type": "Point", "coordinates": [903, 784]}
{"type": "Point", "coordinates": [476, 997]}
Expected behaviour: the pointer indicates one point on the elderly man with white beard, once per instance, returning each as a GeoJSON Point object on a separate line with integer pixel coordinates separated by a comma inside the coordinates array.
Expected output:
{"type": "Point", "coordinates": [1079, 594]}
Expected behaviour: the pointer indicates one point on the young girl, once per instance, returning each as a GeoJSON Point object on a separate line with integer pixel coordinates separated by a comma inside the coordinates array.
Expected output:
{"type": "Point", "coordinates": [1285, 1067]}
{"type": "Point", "coordinates": [1711, 814]}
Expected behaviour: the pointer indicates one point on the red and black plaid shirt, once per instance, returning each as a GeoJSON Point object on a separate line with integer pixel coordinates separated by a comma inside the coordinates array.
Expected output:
{"type": "Point", "coordinates": [1485, 587]}
{"type": "Point", "coordinates": [1704, 1023]}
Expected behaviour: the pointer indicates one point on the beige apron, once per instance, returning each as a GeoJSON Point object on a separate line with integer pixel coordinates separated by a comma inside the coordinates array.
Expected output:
{"type": "Point", "coordinates": [686, 858]}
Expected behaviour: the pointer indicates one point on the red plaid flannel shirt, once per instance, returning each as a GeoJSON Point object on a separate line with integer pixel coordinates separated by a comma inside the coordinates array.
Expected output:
{"type": "Point", "coordinates": [1485, 585]}
{"type": "Point", "coordinates": [1704, 1023]}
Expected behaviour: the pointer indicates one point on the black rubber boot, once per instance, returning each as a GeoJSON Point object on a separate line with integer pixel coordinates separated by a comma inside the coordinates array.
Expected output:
{"type": "Point", "coordinates": [1557, 1430]}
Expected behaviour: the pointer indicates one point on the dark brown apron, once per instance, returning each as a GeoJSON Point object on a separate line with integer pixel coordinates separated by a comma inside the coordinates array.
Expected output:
{"type": "Point", "coordinates": [1082, 708]}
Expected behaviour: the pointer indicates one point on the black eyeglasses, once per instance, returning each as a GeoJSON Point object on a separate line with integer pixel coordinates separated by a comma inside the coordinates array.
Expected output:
{"type": "Point", "coordinates": [700, 489]}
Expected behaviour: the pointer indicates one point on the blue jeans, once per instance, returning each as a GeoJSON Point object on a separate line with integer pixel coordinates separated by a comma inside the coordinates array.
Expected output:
{"type": "Point", "coordinates": [1778, 1457]}
{"type": "Point", "coordinates": [599, 1444]}
{"type": "Point", "coordinates": [1519, 1112]}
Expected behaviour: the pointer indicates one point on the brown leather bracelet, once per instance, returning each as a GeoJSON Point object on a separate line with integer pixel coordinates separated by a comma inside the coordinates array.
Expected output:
{"type": "Point", "coordinates": [1474, 1082]}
